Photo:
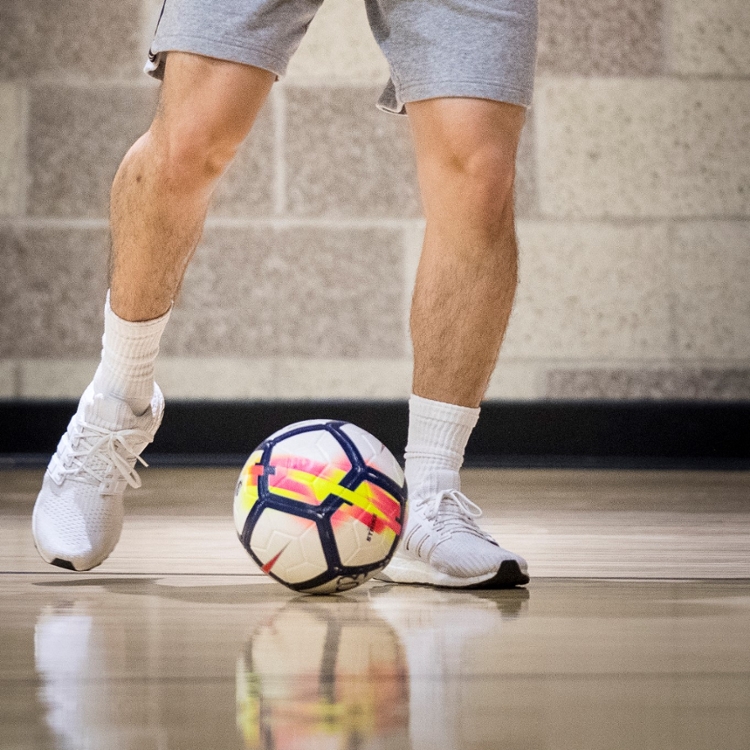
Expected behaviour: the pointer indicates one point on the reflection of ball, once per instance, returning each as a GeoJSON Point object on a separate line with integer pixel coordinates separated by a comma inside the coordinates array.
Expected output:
{"type": "Point", "coordinates": [323, 674]}
{"type": "Point", "coordinates": [320, 506]}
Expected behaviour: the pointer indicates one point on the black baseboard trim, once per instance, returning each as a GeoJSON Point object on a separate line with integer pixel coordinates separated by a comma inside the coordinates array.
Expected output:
{"type": "Point", "coordinates": [587, 434]}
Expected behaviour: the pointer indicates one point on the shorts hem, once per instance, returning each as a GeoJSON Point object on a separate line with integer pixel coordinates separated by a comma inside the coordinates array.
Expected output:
{"type": "Point", "coordinates": [218, 49]}
{"type": "Point", "coordinates": [414, 92]}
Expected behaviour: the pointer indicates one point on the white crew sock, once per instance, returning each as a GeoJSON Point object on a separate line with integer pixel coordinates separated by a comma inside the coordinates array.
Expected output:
{"type": "Point", "coordinates": [129, 351]}
{"type": "Point", "coordinates": [438, 433]}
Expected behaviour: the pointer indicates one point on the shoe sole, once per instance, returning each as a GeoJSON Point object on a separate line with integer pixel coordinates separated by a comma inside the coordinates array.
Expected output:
{"type": "Point", "coordinates": [63, 564]}
{"type": "Point", "coordinates": [507, 576]}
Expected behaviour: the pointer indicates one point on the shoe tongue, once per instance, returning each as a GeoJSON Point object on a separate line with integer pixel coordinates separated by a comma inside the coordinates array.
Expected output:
{"type": "Point", "coordinates": [444, 480]}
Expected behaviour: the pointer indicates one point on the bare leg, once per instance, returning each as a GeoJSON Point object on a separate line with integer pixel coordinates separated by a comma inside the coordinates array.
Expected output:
{"type": "Point", "coordinates": [467, 274]}
{"type": "Point", "coordinates": [163, 187]}
{"type": "Point", "coordinates": [462, 300]}
{"type": "Point", "coordinates": [159, 202]}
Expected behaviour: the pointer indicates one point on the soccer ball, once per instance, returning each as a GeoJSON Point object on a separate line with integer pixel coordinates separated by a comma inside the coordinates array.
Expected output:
{"type": "Point", "coordinates": [320, 506]}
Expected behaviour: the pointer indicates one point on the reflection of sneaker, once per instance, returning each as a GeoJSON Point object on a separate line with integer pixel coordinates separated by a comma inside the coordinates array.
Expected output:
{"type": "Point", "coordinates": [62, 640]}
{"type": "Point", "coordinates": [446, 635]}
{"type": "Point", "coordinates": [443, 546]}
{"type": "Point", "coordinates": [78, 514]}
{"type": "Point", "coordinates": [511, 603]}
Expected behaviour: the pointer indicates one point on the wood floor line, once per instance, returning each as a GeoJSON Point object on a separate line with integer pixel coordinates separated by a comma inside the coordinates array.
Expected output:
{"type": "Point", "coordinates": [579, 546]}
{"type": "Point", "coordinates": [616, 525]}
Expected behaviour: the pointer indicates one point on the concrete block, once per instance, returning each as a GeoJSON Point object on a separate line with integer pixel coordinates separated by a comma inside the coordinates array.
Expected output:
{"type": "Point", "coordinates": [367, 378]}
{"type": "Point", "coordinates": [346, 158]}
{"type": "Point", "coordinates": [600, 37]}
{"type": "Point", "coordinates": [42, 378]}
{"type": "Point", "coordinates": [52, 296]}
{"type": "Point", "coordinates": [82, 38]}
{"type": "Point", "coordinates": [214, 378]}
{"type": "Point", "coordinates": [709, 37]}
{"type": "Point", "coordinates": [339, 48]}
{"type": "Point", "coordinates": [77, 138]}
{"type": "Point", "coordinates": [643, 148]}
{"type": "Point", "coordinates": [8, 378]}
{"type": "Point", "coordinates": [711, 286]}
{"type": "Point", "coordinates": [302, 291]}
{"type": "Point", "coordinates": [514, 380]}
{"type": "Point", "coordinates": [590, 290]}
{"type": "Point", "coordinates": [677, 383]}
{"type": "Point", "coordinates": [11, 148]}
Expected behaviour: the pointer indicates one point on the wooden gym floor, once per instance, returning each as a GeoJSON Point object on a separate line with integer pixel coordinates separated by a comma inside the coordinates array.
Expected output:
{"type": "Point", "coordinates": [633, 633]}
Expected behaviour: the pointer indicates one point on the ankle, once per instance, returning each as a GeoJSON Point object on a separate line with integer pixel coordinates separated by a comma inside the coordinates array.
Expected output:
{"type": "Point", "coordinates": [438, 433]}
{"type": "Point", "coordinates": [129, 352]}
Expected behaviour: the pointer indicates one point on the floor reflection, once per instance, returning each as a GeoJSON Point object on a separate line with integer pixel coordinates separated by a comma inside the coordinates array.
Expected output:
{"type": "Point", "coordinates": [131, 664]}
{"type": "Point", "coordinates": [348, 673]}
{"type": "Point", "coordinates": [435, 636]}
{"type": "Point", "coordinates": [62, 650]}
{"type": "Point", "coordinates": [323, 674]}
{"type": "Point", "coordinates": [165, 663]}
{"type": "Point", "coordinates": [77, 656]}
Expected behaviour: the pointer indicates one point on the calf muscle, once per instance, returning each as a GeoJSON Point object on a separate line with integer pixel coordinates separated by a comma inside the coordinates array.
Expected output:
{"type": "Point", "coordinates": [161, 193]}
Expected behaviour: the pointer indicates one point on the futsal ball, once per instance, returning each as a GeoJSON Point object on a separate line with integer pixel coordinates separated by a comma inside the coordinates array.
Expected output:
{"type": "Point", "coordinates": [320, 506]}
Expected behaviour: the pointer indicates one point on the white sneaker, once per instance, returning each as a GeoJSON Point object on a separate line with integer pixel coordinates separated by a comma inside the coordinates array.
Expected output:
{"type": "Point", "coordinates": [443, 546]}
{"type": "Point", "coordinates": [78, 514]}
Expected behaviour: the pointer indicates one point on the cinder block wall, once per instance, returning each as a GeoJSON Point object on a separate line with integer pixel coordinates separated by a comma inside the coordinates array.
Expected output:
{"type": "Point", "coordinates": [633, 204]}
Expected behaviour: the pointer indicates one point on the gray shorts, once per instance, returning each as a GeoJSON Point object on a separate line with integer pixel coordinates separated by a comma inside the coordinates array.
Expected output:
{"type": "Point", "coordinates": [435, 48]}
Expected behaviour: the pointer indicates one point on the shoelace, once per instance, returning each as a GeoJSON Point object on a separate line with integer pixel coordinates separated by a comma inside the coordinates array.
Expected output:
{"type": "Point", "coordinates": [452, 511]}
{"type": "Point", "coordinates": [107, 446]}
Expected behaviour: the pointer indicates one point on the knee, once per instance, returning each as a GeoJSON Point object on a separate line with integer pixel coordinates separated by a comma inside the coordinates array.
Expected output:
{"type": "Point", "coordinates": [484, 174]}
{"type": "Point", "coordinates": [466, 154]}
{"type": "Point", "coordinates": [189, 155]}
